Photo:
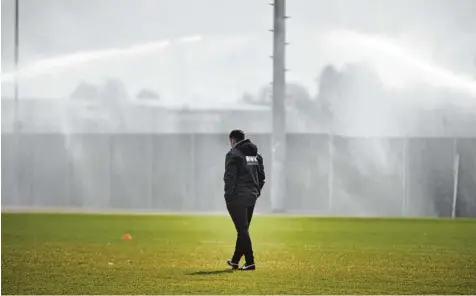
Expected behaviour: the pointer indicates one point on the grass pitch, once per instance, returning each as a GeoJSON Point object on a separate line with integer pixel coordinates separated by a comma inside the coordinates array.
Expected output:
{"type": "Point", "coordinates": [185, 254]}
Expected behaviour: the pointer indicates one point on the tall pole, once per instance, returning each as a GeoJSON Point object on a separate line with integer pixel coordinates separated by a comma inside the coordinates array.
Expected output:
{"type": "Point", "coordinates": [330, 180]}
{"type": "Point", "coordinates": [16, 116]}
{"type": "Point", "coordinates": [456, 164]}
{"type": "Point", "coordinates": [405, 176]}
{"type": "Point", "coordinates": [278, 139]}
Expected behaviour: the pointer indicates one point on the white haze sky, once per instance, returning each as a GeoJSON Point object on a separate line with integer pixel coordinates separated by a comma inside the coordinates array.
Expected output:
{"type": "Point", "coordinates": [406, 40]}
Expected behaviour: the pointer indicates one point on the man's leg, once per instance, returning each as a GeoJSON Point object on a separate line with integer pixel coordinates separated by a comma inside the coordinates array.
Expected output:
{"type": "Point", "coordinates": [249, 257]}
{"type": "Point", "coordinates": [249, 214]}
{"type": "Point", "coordinates": [238, 252]}
{"type": "Point", "coordinates": [239, 215]}
{"type": "Point", "coordinates": [250, 211]}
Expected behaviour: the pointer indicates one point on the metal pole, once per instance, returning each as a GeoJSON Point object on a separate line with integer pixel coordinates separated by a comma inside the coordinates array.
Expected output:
{"type": "Point", "coordinates": [278, 139]}
{"type": "Point", "coordinates": [181, 74]}
{"type": "Point", "coordinates": [455, 178]}
{"type": "Point", "coordinates": [151, 169]}
{"type": "Point", "coordinates": [18, 158]}
{"type": "Point", "coordinates": [195, 203]}
{"type": "Point", "coordinates": [16, 119]}
{"type": "Point", "coordinates": [331, 172]}
{"type": "Point", "coordinates": [404, 177]}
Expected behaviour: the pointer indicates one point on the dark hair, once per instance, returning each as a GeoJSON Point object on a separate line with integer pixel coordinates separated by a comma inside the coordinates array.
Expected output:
{"type": "Point", "coordinates": [238, 135]}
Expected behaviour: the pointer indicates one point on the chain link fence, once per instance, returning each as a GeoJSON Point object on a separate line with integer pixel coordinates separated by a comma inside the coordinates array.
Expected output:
{"type": "Point", "coordinates": [326, 175]}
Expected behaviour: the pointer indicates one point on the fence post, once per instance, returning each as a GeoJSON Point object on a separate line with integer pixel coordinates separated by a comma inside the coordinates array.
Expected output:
{"type": "Point", "coordinates": [192, 183]}
{"type": "Point", "coordinates": [151, 170]}
{"type": "Point", "coordinates": [110, 173]}
{"type": "Point", "coordinates": [405, 177]}
{"type": "Point", "coordinates": [70, 171]}
{"type": "Point", "coordinates": [331, 172]}
{"type": "Point", "coordinates": [455, 176]}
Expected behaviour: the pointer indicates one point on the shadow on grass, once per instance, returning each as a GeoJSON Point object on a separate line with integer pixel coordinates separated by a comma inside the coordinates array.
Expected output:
{"type": "Point", "coordinates": [211, 272]}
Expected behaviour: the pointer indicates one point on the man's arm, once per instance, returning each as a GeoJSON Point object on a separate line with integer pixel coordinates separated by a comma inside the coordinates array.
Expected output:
{"type": "Point", "coordinates": [231, 170]}
{"type": "Point", "coordinates": [261, 174]}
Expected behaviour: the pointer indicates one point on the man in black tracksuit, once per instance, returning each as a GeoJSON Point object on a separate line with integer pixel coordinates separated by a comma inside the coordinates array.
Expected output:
{"type": "Point", "coordinates": [244, 179]}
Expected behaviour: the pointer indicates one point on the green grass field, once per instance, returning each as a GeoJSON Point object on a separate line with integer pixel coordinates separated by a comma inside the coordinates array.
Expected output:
{"type": "Point", "coordinates": [185, 254]}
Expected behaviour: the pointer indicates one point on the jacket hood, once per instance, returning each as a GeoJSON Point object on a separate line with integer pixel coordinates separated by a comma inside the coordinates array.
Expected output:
{"type": "Point", "coordinates": [247, 148]}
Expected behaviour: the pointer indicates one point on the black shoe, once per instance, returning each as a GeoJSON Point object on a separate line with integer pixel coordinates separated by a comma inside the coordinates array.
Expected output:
{"type": "Point", "coordinates": [248, 267]}
{"type": "Point", "coordinates": [233, 265]}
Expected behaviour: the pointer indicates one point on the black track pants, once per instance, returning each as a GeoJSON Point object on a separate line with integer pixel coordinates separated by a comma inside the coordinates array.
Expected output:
{"type": "Point", "coordinates": [241, 216]}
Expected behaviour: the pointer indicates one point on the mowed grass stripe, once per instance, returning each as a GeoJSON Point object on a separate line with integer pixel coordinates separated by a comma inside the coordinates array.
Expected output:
{"type": "Point", "coordinates": [185, 254]}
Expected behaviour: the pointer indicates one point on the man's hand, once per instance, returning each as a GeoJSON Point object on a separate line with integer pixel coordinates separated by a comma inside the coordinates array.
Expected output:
{"type": "Point", "coordinates": [261, 174]}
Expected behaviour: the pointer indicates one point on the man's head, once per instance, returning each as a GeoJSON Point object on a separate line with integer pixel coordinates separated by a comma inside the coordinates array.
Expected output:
{"type": "Point", "coordinates": [236, 136]}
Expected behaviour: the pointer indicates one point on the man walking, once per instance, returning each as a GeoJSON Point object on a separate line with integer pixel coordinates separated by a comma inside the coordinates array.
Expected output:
{"type": "Point", "coordinates": [244, 179]}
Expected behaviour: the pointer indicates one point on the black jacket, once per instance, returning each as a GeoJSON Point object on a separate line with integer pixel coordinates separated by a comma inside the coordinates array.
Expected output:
{"type": "Point", "coordinates": [244, 174]}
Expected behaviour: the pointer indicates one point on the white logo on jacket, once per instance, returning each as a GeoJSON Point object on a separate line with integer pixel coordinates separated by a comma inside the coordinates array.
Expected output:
{"type": "Point", "coordinates": [252, 160]}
